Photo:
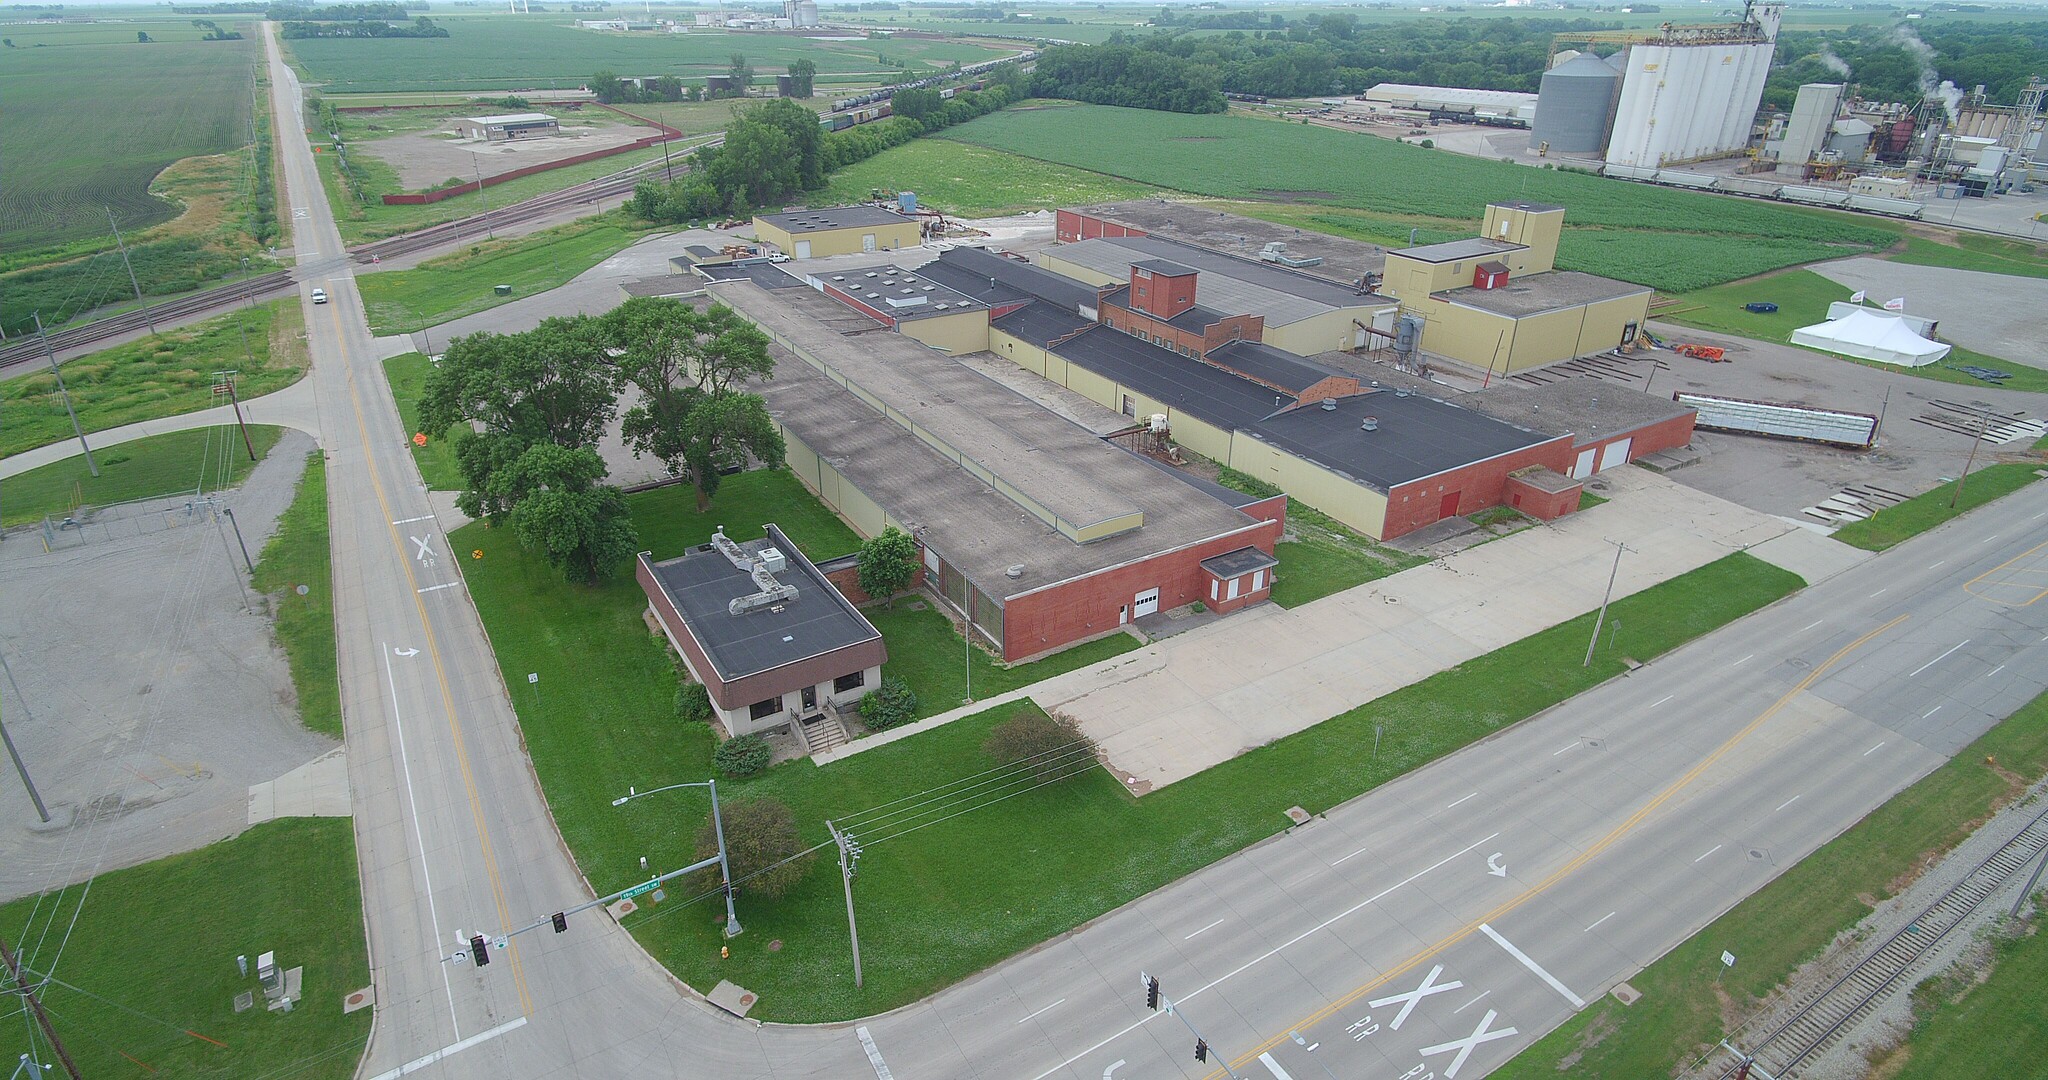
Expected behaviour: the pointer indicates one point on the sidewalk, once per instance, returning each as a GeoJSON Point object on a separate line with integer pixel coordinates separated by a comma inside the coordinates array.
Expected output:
{"type": "Point", "coordinates": [292, 407]}
{"type": "Point", "coordinates": [1179, 706]}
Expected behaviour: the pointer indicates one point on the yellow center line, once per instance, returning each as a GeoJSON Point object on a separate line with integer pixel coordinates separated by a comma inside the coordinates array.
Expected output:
{"type": "Point", "coordinates": [1576, 863]}
{"type": "Point", "coordinates": [440, 672]}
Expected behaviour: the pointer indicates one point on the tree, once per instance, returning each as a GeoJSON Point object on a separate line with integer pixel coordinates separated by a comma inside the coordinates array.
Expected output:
{"type": "Point", "coordinates": [915, 104]}
{"type": "Point", "coordinates": [693, 702]}
{"type": "Point", "coordinates": [741, 72]}
{"type": "Point", "coordinates": [142, 37]}
{"type": "Point", "coordinates": [1046, 747]}
{"type": "Point", "coordinates": [759, 833]}
{"type": "Point", "coordinates": [559, 509]}
{"type": "Point", "coordinates": [801, 74]}
{"type": "Point", "coordinates": [607, 87]}
{"type": "Point", "coordinates": [888, 561]}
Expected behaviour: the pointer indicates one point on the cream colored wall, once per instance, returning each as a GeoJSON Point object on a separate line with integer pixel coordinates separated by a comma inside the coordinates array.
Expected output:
{"type": "Point", "coordinates": [1019, 352]}
{"type": "Point", "coordinates": [1320, 333]}
{"type": "Point", "coordinates": [1539, 231]}
{"type": "Point", "coordinates": [951, 334]}
{"type": "Point", "coordinates": [887, 236]}
{"type": "Point", "coordinates": [1467, 335]}
{"type": "Point", "coordinates": [1051, 261]}
{"type": "Point", "coordinates": [1346, 500]}
{"type": "Point", "coordinates": [1606, 319]}
{"type": "Point", "coordinates": [769, 234]}
{"type": "Point", "coordinates": [832, 488]}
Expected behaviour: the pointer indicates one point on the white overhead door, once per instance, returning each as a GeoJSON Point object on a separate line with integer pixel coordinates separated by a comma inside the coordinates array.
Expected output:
{"type": "Point", "coordinates": [1616, 453]}
{"type": "Point", "coordinates": [1146, 603]}
{"type": "Point", "coordinates": [1583, 467]}
{"type": "Point", "coordinates": [803, 249]}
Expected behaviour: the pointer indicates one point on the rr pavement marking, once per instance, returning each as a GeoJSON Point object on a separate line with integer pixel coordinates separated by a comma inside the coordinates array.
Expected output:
{"type": "Point", "coordinates": [451, 1050]}
{"type": "Point", "coordinates": [1412, 998]}
{"type": "Point", "coordinates": [1466, 1045]}
{"type": "Point", "coordinates": [867, 1043]}
{"type": "Point", "coordinates": [1527, 962]}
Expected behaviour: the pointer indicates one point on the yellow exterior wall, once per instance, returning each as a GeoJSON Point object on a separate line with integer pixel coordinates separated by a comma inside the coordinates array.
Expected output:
{"type": "Point", "coordinates": [888, 236]}
{"type": "Point", "coordinates": [1539, 230]}
{"type": "Point", "coordinates": [833, 489]}
{"type": "Point", "coordinates": [1021, 353]}
{"type": "Point", "coordinates": [950, 334]}
{"type": "Point", "coordinates": [1478, 338]}
{"type": "Point", "coordinates": [1320, 333]}
{"type": "Point", "coordinates": [1346, 500]}
{"type": "Point", "coordinates": [1057, 265]}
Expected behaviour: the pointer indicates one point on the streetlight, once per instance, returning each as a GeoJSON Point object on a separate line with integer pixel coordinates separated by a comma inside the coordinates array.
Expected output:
{"type": "Point", "coordinates": [732, 920]}
{"type": "Point", "coordinates": [427, 337]}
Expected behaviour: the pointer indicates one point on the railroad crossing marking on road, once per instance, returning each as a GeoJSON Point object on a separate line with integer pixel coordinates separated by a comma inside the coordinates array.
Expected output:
{"type": "Point", "coordinates": [1414, 997]}
{"type": "Point", "coordinates": [1466, 1045]}
{"type": "Point", "coordinates": [425, 554]}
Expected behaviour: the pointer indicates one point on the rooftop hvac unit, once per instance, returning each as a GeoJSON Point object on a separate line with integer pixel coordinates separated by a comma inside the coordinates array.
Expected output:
{"type": "Point", "coordinates": [1016, 570]}
{"type": "Point", "coordinates": [1329, 405]}
{"type": "Point", "coordinates": [1156, 422]}
{"type": "Point", "coordinates": [773, 560]}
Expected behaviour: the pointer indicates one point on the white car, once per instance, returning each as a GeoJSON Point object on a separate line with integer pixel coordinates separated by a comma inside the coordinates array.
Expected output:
{"type": "Point", "coordinates": [778, 257]}
{"type": "Point", "coordinates": [319, 296]}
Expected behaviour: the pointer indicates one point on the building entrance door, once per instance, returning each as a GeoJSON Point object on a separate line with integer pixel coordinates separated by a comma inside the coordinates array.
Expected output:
{"type": "Point", "coordinates": [810, 698]}
{"type": "Point", "coordinates": [1145, 604]}
{"type": "Point", "coordinates": [867, 242]}
{"type": "Point", "coordinates": [1449, 507]}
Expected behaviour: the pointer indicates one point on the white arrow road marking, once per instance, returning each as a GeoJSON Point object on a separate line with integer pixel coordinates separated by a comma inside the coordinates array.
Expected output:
{"type": "Point", "coordinates": [1494, 867]}
{"type": "Point", "coordinates": [405, 652]}
{"type": "Point", "coordinates": [1113, 1067]}
{"type": "Point", "coordinates": [1466, 1045]}
{"type": "Point", "coordinates": [1414, 997]}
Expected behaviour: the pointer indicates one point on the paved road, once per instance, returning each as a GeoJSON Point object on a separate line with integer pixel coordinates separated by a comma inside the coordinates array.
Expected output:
{"type": "Point", "coordinates": [1660, 799]}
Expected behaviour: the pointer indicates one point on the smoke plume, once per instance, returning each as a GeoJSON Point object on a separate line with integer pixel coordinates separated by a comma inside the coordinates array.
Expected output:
{"type": "Point", "coordinates": [1931, 83]}
{"type": "Point", "coordinates": [1833, 63]}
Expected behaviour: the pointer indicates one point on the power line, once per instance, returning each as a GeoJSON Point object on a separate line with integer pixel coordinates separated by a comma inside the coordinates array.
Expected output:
{"type": "Point", "coordinates": [869, 819]}
{"type": "Point", "coordinates": [1030, 769]}
{"type": "Point", "coordinates": [1092, 763]}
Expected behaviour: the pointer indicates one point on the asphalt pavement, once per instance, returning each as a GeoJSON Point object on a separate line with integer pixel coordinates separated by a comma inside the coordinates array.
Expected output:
{"type": "Point", "coordinates": [1618, 823]}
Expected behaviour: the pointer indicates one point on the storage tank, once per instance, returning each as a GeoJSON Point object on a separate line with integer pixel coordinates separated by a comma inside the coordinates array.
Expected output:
{"type": "Point", "coordinates": [1687, 102]}
{"type": "Point", "coordinates": [1575, 105]}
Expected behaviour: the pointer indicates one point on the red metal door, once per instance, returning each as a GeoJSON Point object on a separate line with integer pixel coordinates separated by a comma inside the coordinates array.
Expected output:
{"type": "Point", "coordinates": [1449, 507]}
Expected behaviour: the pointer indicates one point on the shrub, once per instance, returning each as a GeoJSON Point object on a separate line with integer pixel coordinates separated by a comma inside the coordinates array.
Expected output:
{"type": "Point", "coordinates": [887, 562]}
{"type": "Point", "coordinates": [693, 702]}
{"type": "Point", "coordinates": [1048, 748]}
{"type": "Point", "coordinates": [891, 704]}
{"type": "Point", "coordinates": [742, 756]}
{"type": "Point", "coordinates": [758, 834]}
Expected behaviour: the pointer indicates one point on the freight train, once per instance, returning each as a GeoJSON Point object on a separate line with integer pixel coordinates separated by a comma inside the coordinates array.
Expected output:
{"type": "Point", "coordinates": [966, 73]}
{"type": "Point", "coordinates": [1756, 188]}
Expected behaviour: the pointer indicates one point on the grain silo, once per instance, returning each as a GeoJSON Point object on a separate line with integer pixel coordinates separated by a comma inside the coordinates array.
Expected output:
{"type": "Point", "coordinates": [1690, 93]}
{"type": "Point", "coordinates": [1575, 105]}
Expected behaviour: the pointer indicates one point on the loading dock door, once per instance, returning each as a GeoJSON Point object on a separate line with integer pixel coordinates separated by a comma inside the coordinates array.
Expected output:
{"type": "Point", "coordinates": [803, 249]}
{"type": "Point", "coordinates": [1583, 467]}
{"type": "Point", "coordinates": [867, 242]}
{"type": "Point", "coordinates": [1147, 602]}
{"type": "Point", "coordinates": [1616, 453]}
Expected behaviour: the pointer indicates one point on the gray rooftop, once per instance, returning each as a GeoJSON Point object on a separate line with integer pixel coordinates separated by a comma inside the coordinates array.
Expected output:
{"type": "Point", "coordinates": [1587, 409]}
{"type": "Point", "coordinates": [1274, 367]}
{"type": "Point", "coordinates": [819, 620]}
{"type": "Point", "coordinates": [1418, 436]}
{"type": "Point", "coordinates": [902, 294]}
{"type": "Point", "coordinates": [1477, 247]}
{"type": "Point", "coordinates": [1227, 283]}
{"type": "Point", "coordinates": [1041, 324]}
{"type": "Point", "coordinates": [798, 222]}
{"type": "Point", "coordinates": [997, 280]}
{"type": "Point", "coordinates": [1538, 293]}
{"type": "Point", "coordinates": [1163, 266]}
{"type": "Point", "coordinates": [1532, 207]}
{"type": "Point", "coordinates": [1343, 260]}
{"type": "Point", "coordinates": [1207, 393]}
{"type": "Point", "coordinates": [1243, 561]}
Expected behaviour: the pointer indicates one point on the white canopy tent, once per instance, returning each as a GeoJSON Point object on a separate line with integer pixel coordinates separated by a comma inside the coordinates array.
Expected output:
{"type": "Point", "coordinates": [1871, 335]}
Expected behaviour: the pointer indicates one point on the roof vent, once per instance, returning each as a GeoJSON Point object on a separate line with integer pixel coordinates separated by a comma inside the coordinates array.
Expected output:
{"type": "Point", "coordinates": [1016, 571]}
{"type": "Point", "coordinates": [1329, 405]}
{"type": "Point", "coordinates": [870, 273]}
{"type": "Point", "coordinates": [1370, 423]}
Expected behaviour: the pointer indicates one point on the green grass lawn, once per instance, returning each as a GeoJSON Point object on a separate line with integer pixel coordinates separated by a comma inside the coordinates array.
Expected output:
{"type": "Point", "coordinates": [449, 287]}
{"type": "Point", "coordinates": [1929, 509]}
{"type": "Point", "coordinates": [1990, 254]}
{"type": "Point", "coordinates": [1687, 992]}
{"type": "Point", "coordinates": [161, 939]}
{"type": "Point", "coordinates": [297, 555]}
{"type": "Point", "coordinates": [154, 377]}
{"type": "Point", "coordinates": [1952, 1016]}
{"type": "Point", "coordinates": [926, 651]}
{"type": "Point", "coordinates": [178, 463]}
{"type": "Point", "coordinates": [603, 719]}
{"type": "Point", "coordinates": [975, 180]}
{"type": "Point", "coordinates": [1322, 555]}
{"type": "Point", "coordinates": [1588, 500]}
{"type": "Point", "coordinates": [436, 460]}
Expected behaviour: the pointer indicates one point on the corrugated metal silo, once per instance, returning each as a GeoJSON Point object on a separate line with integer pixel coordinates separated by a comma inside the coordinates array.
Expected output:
{"type": "Point", "coordinates": [1575, 105]}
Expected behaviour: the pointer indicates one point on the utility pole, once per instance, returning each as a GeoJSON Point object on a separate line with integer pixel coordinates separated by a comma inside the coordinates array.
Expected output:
{"type": "Point", "coordinates": [33, 795]}
{"type": "Point", "coordinates": [1619, 547]}
{"type": "Point", "coordinates": [35, 1005]}
{"type": "Point", "coordinates": [479, 166]}
{"type": "Point", "coordinates": [227, 378]}
{"type": "Point", "coordinates": [132, 283]}
{"type": "Point", "coordinates": [1982, 423]}
{"type": "Point", "coordinates": [967, 654]}
{"type": "Point", "coordinates": [849, 860]}
{"type": "Point", "coordinates": [51, 354]}
{"type": "Point", "coordinates": [247, 604]}
{"type": "Point", "coordinates": [732, 920]}
{"type": "Point", "coordinates": [244, 544]}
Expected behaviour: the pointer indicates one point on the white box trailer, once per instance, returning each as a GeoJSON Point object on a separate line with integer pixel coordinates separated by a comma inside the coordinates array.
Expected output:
{"type": "Point", "coordinates": [1857, 431]}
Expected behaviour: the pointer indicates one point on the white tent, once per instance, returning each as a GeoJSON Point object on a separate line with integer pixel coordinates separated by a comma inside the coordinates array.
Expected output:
{"type": "Point", "coordinates": [1871, 335]}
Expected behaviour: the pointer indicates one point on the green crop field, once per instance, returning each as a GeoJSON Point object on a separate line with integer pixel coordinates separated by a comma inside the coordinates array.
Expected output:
{"type": "Point", "coordinates": [1674, 240]}
{"type": "Point", "coordinates": [975, 180]}
{"type": "Point", "coordinates": [88, 125]}
{"type": "Point", "coordinates": [502, 53]}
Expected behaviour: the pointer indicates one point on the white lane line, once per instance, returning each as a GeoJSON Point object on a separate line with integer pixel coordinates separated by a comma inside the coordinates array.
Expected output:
{"type": "Point", "coordinates": [1811, 625]}
{"type": "Point", "coordinates": [1786, 803]}
{"type": "Point", "coordinates": [1274, 1068]}
{"type": "Point", "coordinates": [1191, 937]}
{"type": "Point", "coordinates": [1353, 855]}
{"type": "Point", "coordinates": [1881, 742]}
{"type": "Point", "coordinates": [1597, 922]}
{"type": "Point", "coordinates": [1881, 592]}
{"type": "Point", "coordinates": [1743, 661]}
{"type": "Point", "coordinates": [1710, 851]}
{"type": "Point", "coordinates": [1994, 671]}
{"type": "Point", "coordinates": [413, 811]}
{"type": "Point", "coordinates": [1940, 658]}
{"type": "Point", "coordinates": [1460, 800]}
{"type": "Point", "coordinates": [867, 1043]}
{"type": "Point", "coordinates": [1930, 712]}
{"type": "Point", "coordinates": [1577, 1001]}
{"type": "Point", "coordinates": [408, 521]}
{"type": "Point", "coordinates": [1662, 700]}
{"type": "Point", "coordinates": [1562, 749]}
{"type": "Point", "coordinates": [451, 1050]}
{"type": "Point", "coordinates": [1274, 951]}
{"type": "Point", "coordinates": [1061, 1001]}
{"type": "Point", "coordinates": [1470, 1003]}
{"type": "Point", "coordinates": [1937, 564]}
{"type": "Point", "coordinates": [437, 588]}
{"type": "Point", "coordinates": [1988, 539]}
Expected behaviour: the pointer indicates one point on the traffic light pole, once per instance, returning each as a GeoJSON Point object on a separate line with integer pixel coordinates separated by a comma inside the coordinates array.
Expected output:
{"type": "Point", "coordinates": [732, 920]}
{"type": "Point", "coordinates": [1201, 1044]}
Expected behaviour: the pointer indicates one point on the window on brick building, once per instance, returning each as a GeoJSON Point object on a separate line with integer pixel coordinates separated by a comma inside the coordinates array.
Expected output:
{"type": "Point", "coordinates": [761, 710]}
{"type": "Point", "coordinates": [854, 681]}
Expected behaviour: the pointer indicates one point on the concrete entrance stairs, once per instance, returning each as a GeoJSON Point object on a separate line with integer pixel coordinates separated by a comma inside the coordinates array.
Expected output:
{"type": "Point", "coordinates": [824, 731]}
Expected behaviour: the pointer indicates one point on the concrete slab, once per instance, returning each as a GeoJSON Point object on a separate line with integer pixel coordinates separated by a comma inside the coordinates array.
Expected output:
{"type": "Point", "coordinates": [1995, 314]}
{"type": "Point", "coordinates": [1809, 554]}
{"type": "Point", "coordinates": [319, 788]}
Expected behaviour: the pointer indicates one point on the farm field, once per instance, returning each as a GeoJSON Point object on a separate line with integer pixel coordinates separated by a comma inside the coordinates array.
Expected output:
{"type": "Point", "coordinates": [149, 105]}
{"type": "Point", "coordinates": [504, 54]}
{"type": "Point", "coordinates": [974, 180]}
{"type": "Point", "coordinates": [1673, 240]}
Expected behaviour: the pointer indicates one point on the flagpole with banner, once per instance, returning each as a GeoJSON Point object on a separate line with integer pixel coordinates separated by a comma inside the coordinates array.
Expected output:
{"type": "Point", "coordinates": [1858, 296]}
{"type": "Point", "coordinates": [1896, 303]}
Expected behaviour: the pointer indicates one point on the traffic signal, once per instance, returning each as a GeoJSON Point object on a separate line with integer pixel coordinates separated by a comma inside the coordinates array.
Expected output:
{"type": "Point", "coordinates": [1201, 1050]}
{"type": "Point", "coordinates": [480, 949]}
{"type": "Point", "coordinates": [1152, 994]}
{"type": "Point", "coordinates": [561, 922]}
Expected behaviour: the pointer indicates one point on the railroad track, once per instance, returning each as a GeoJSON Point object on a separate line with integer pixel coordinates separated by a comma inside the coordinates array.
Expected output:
{"type": "Point", "coordinates": [1831, 1013]}
{"type": "Point", "coordinates": [29, 350]}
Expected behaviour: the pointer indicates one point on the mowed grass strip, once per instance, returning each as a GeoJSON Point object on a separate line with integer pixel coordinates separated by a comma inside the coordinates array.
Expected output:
{"type": "Point", "coordinates": [970, 180]}
{"type": "Point", "coordinates": [1951, 1017]}
{"type": "Point", "coordinates": [1896, 524]}
{"type": "Point", "coordinates": [1689, 999]}
{"type": "Point", "coordinates": [1969, 251]}
{"type": "Point", "coordinates": [407, 375]}
{"type": "Point", "coordinates": [167, 374]}
{"type": "Point", "coordinates": [152, 959]}
{"type": "Point", "coordinates": [927, 652]}
{"type": "Point", "coordinates": [178, 464]}
{"type": "Point", "coordinates": [449, 287]}
{"type": "Point", "coordinates": [297, 556]}
{"type": "Point", "coordinates": [602, 719]}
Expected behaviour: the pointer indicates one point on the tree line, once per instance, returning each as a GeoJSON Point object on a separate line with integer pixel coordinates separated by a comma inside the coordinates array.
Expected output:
{"type": "Point", "coordinates": [776, 150]}
{"type": "Point", "coordinates": [1895, 63]}
{"type": "Point", "coordinates": [529, 409]}
{"type": "Point", "coordinates": [421, 27]}
{"type": "Point", "coordinates": [611, 89]}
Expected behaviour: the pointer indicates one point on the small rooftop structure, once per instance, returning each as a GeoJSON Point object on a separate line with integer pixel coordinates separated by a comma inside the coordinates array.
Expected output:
{"type": "Point", "coordinates": [1538, 293]}
{"type": "Point", "coordinates": [798, 222]}
{"type": "Point", "coordinates": [1477, 247]}
{"type": "Point", "coordinates": [900, 294]}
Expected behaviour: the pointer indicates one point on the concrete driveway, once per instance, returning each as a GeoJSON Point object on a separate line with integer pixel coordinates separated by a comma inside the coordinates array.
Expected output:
{"type": "Point", "coordinates": [1996, 314]}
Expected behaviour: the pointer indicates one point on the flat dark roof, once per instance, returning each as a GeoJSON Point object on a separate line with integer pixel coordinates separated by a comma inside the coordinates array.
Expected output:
{"type": "Point", "coordinates": [1477, 247]}
{"type": "Point", "coordinates": [1041, 324]}
{"type": "Point", "coordinates": [1343, 260]}
{"type": "Point", "coordinates": [1538, 293]}
{"type": "Point", "coordinates": [703, 582]}
{"type": "Point", "coordinates": [1589, 410]}
{"type": "Point", "coordinates": [765, 274]}
{"type": "Point", "coordinates": [1204, 392]}
{"type": "Point", "coordinates": [1418, 436]}
{"type": "Point", "coordinates": [833, 217]}
{"type": "Point", "coordinates": [902, 294]}
{"type": "Point", "coordinates": [1195, 319]}
{"type": "Point", "coordinates": [968, 269]}
{"type": "Point", "coordinates": [1237, 563]}
{"type": "Point", "coordinates": [1164, 266]}
{"type": "Point", "coordinates": [1276, 367]}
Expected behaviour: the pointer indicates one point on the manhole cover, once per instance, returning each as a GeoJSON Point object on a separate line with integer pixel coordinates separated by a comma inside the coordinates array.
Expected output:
{"type": "Point", "coordinates": [1759, 854]}
{"type": "Point", "coordinates": [303, 590]}
{"type": "Point", "coordinates": [775, 946]}
{"type": "Point", "coordinates": [1297, 815]}
{"type": "Point", "coordinates": [747, 999]}
{"type": "Point", "coordinates": [357, 998]}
